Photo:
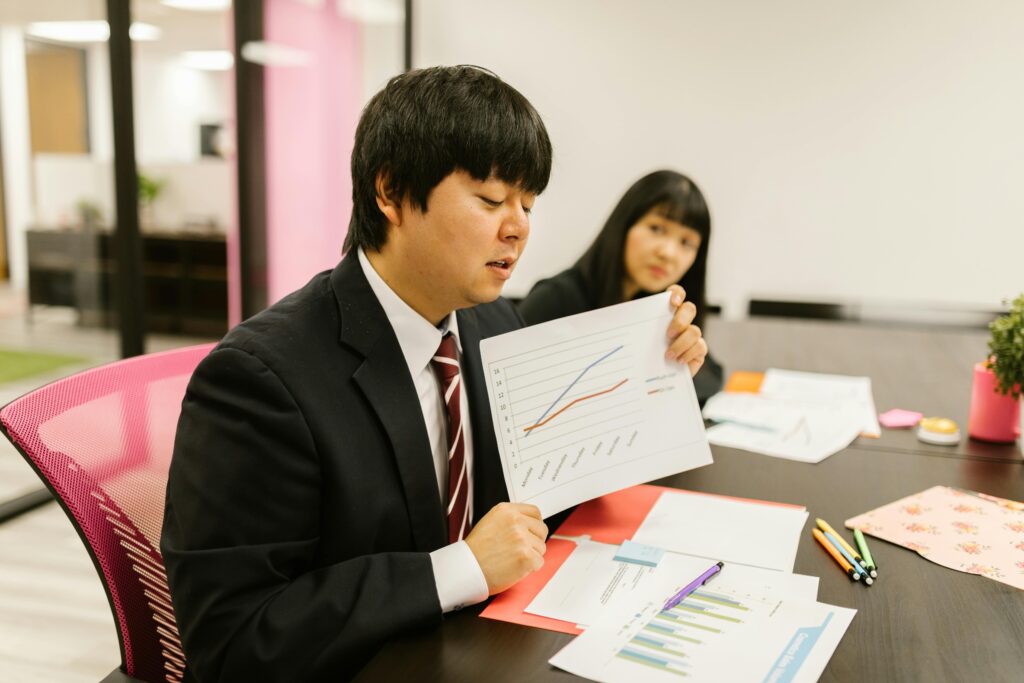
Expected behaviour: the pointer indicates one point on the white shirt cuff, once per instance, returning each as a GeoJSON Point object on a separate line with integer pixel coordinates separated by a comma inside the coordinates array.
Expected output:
{"type": "Point", "coordinates": [458, 577]}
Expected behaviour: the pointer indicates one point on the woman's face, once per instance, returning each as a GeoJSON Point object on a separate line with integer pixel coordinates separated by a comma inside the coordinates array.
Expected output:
{"type": "Point", "coordinates": [659, 251]}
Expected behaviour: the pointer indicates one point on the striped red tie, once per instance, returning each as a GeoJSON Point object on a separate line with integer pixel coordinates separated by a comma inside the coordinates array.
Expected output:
{"type": "Point", "coordinates": [446, 365]}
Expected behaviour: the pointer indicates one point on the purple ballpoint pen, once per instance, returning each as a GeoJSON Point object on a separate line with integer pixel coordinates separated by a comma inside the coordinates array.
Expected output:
{"type": "Point", "coordinates": [692, 586]}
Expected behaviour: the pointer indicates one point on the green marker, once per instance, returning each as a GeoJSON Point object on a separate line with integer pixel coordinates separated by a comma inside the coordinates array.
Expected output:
{"type": "Point", "coordinates": [862, 544]}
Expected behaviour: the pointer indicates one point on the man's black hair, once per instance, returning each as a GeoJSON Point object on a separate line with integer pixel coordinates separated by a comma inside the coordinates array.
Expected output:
{"type": "Point", "coordinates": [427, 123]}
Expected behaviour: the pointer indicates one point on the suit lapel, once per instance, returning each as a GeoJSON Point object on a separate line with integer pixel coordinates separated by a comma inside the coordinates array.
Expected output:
{"type": "Point", "coordinates": [488, 480]}
{"type": "Point", "coordinates": [385, 382]}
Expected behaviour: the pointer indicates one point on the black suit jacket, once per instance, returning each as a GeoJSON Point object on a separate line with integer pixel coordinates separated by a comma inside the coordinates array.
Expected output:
{"type": "Point", "coordinates": [302, 502]}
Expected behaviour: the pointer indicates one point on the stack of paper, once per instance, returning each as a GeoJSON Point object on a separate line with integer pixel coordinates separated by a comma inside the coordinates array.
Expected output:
{"type": "Point", "coordinates": [755, 621]}
{"type": "Point", "coordinates": [714, 635]}
{"type": "Point", "coordinates": [851, 393]}
{"type": "Point", "coordinates": [697, 530]}
{"type": "Point", "coordinates": [796, 415]}
{"type": "Point", "coordinates": [592, 581]}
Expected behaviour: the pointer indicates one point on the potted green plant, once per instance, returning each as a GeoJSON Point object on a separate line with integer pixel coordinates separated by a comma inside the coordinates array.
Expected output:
{"type": "Point", "coordinates": [149, 190]}
{"type": "Point", "coordinates": [89, 214]}
{"type": "Point", "coordinates": [1006, 354]}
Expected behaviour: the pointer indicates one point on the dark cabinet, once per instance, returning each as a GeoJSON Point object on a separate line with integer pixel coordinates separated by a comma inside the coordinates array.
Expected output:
{"type": "Point", "coordinates": [185, 284]}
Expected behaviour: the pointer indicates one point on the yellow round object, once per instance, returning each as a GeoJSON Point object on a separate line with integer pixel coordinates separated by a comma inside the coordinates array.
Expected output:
{"type": "Point", "coordinates": [939, 425]}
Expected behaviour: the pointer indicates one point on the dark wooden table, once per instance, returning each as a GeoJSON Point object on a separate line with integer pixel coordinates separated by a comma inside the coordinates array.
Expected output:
{"type": "Point", "coordinates": [920, 621]}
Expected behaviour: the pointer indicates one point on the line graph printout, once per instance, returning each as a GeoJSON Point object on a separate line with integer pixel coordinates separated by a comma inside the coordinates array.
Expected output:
{"type": "Point", "coordinates": [587, 405]}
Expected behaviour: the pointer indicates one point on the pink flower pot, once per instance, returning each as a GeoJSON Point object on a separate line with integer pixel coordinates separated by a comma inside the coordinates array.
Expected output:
{"type": "Point", "coordinates": [994, 416]}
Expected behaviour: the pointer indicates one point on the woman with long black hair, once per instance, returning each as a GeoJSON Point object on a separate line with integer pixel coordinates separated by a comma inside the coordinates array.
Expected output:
{"type": "Point", "coordinates": [657, 235]}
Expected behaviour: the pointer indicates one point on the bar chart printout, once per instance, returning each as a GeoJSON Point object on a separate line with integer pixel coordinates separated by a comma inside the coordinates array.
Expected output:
{"type": "Point", "coordinates": [587, 405]}
{"type": "Point", "coordinates": [709, 636]}
{"type": "Point", "coordinates": [670, 639]}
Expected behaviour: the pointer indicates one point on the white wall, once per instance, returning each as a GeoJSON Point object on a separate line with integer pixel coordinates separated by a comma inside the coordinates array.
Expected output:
{"type": "Point", "coordinates": [171, 101]}
{"type": "Point", "coordinates": [850, 152]}
{"type": "Point", "coordinates": [61, 181]}
{"type": "Point", "coordinates": [100, 102]}
{"type": "Point", "coordinates": [196, 193]}
{"type": "Point", "coordinates": [383, 53]}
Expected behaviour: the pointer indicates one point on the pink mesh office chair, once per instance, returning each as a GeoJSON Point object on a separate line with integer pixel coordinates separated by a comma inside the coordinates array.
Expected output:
{"type": "Point", "coordinates": [101, 440]}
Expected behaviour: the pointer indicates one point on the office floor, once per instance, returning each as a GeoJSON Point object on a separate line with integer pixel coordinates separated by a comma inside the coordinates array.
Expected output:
{"type": "Point", "coordinates": [55, 622]}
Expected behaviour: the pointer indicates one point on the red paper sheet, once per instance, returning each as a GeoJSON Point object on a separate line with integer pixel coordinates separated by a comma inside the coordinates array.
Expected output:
{"type": "Point", "coordinates": [509, 606]}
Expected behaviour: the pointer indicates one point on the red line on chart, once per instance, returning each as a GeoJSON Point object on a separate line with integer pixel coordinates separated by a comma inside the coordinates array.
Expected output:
{"type": "Point", "coordinates": [570, 404]}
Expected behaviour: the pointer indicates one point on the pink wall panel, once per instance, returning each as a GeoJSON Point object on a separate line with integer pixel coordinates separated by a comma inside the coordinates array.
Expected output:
{"type": "Point", "coordinates": [311, 115]}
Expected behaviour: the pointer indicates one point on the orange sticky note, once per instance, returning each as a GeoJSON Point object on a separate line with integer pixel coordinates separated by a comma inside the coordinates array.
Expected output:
{"type": "Point", "coordinates": [745, 382]}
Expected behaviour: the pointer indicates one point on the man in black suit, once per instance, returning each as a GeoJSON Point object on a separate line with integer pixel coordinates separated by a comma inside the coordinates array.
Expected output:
{"type": "Point", "coordinates": [325, 492]}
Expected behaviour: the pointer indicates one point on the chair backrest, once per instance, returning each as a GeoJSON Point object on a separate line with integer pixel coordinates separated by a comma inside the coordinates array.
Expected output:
{"type": "Point", "coordinates": [101, 440]}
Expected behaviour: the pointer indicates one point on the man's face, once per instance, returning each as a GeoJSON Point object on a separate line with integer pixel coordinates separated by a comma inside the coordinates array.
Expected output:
{"type": "Point", "coordinates": [463, 249]}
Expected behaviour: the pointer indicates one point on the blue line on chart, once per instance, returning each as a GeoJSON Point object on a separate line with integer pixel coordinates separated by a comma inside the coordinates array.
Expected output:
{"type": "Point", "coordinates": [571, 384]}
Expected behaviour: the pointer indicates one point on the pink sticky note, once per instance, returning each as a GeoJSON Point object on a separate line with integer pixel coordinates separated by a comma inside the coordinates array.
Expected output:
{"type": "Point", "coordinates": [897, 418]}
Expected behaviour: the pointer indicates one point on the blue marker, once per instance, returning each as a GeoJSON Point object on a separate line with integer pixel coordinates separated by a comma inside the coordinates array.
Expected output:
{"type": "Point", "coordinates": [849, 558]}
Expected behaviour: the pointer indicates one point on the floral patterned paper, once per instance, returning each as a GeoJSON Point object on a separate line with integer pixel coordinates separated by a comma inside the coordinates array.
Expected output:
{"type": "Point", "coordinates": [967, 531]}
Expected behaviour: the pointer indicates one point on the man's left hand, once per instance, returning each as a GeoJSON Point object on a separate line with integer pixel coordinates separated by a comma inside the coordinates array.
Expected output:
{"type": "Point", "coordinates": [686, 344]}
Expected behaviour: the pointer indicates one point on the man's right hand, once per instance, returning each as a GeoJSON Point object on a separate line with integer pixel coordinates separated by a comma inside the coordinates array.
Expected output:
{"type": "Point", "coordinates": [508, 544]}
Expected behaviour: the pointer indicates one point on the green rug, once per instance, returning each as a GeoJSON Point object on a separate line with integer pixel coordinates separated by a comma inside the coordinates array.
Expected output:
{"type": "Point", "coordinates": [16, 365]}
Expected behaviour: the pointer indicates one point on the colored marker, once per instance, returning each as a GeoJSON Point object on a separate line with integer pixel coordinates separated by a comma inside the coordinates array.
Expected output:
{"type": "Point", "coordinates": [857, 560]}
{"type": "Point", "coordinates": [693, 585]}
{"type": "Point", "coordinates": [840, 560]}
{"type": "Point", "coordinates": [862, 543]}
{"type": "Point", "coordinates": [849, 558]}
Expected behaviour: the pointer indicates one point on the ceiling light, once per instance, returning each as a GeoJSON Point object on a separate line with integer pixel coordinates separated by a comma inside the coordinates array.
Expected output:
{"type": "Point", "coordinates": [143, 32]}
{"type": "Point", "coordinates": [208, 60]}
{"type": "Point", "coordinates": [275, 54]}
{"type": "Point", "coordinates": [87, 31]}
{"type": "Point", "coordinates": [372, 11]}
{"type": "Point", "coordinates": [70, 31]}
{"type": "Point", "coordinates": [198, 5]}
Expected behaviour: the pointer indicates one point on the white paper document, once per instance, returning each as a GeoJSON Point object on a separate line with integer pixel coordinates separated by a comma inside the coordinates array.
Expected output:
{"type": "Point", "coordinates": [730, 530]}
{"type": "Point", "coordinates": [753, 410]}
{"type": "Point", "coordinates": [587, 405]}
{"type": "Point", "coordinates": [853, 392]}
{"type": "Point", "coordinates": [800, 416]}
{"type": "Point", "coordinates": [786, 428]}
{"type": "Point", "coordinates": [591, 581]}
{"type": "Point", "coordinates": [713, 635]}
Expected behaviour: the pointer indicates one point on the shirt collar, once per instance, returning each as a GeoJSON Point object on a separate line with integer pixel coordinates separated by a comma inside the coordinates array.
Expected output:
{"type": "Point", "coordinates": [417, 337]}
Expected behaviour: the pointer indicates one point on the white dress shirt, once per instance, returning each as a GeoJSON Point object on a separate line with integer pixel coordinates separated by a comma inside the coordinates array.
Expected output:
{"type": "Point", "coordinates": [458, 576]}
